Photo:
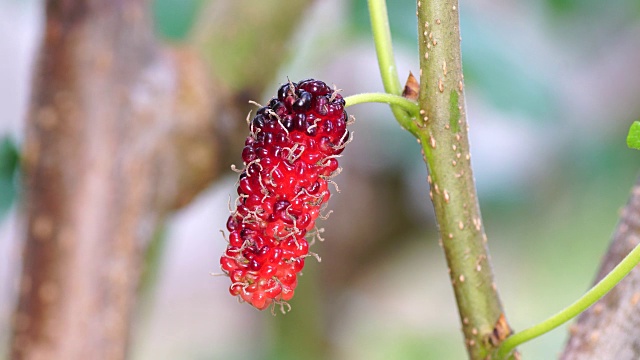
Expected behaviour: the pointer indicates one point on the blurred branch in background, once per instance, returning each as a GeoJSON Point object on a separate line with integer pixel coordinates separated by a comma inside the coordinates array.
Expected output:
{"type": "Point", "coordinates": [121, 131]}
{"type": "Point", "coordinates": [610, 329]}
{"type": "Point", "coordinates": [243, 48]}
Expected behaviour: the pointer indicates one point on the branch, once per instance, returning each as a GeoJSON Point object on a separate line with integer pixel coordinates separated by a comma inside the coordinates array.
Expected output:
{"type": "Point", "coordinates": [443, 136]}
{"type": "Point", "coordinates": [611, 328]}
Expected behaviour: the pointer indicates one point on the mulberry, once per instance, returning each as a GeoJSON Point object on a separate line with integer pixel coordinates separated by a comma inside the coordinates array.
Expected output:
{"type": "Point", "coordinates": [289, 158]}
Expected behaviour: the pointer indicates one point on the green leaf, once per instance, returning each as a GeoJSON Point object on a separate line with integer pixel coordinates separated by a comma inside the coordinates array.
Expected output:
{"type": "Point", "coordinates": [8, 157]}
{"type": "Point", "coordinates": [633, 139]}
{"type": "Point", "coordinates": [174, 18]}
{"type": "Point", "coordinates": [9, 163]}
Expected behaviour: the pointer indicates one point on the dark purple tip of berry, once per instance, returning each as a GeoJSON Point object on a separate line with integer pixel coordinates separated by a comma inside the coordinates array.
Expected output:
{"type": "Point", "coordinates": [261, 151]}
{"type": "Point", "coordinates": [283, 92]}
{"type": "Point", "coordinates": [300, 122]}
{"type": "Point", "coordinates": [288, 122]}
{"type": "Point", "coordinates": [277, 107]}
{"type": "Point", "coordinates": [281, 138]}
{"type": "Point", "coordinates": [258, 121]}
{"type": "Point", "coordinates": [303, 103]}
{"type": "Point", "coordinates": [315, 87]}
{"type": "Point", "coordinates": [280, 205]}
{"type": "Point", "coordinates": [328, 126]}
{"type": "Point", "coordinates": [232, 224]}
{"type": "Point", "coordinates": [253, 169]}
{"type": "Point", "coordinates": [268, 139]}
{"type": "Point", "coordinates": [321, 105]}
{"type": "Point", "coordinates": [305, 82]}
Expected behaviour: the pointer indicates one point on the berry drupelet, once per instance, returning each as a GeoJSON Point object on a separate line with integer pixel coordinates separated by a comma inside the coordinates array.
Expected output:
{"type": "Point", "coordinates": [289, 158]}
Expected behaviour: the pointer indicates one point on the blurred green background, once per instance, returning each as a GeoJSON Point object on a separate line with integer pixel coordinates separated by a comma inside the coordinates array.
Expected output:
{"type": "Point", "coordinates": [552, 87]}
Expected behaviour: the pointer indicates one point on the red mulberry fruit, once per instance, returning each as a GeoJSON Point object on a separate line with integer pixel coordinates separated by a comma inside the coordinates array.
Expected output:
{"type": "Point", "coordinates": [289, 158]}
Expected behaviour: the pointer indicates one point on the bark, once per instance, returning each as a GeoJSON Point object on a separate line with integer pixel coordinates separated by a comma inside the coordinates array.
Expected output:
{"type": "Point", "coordinates": [610, 329]}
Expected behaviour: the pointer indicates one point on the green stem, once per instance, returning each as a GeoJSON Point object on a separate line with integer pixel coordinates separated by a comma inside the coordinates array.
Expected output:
{"type": "Point", "coordinates": [443, 135]}
{"type": "Point", "coordinates": [402, 102]}
{"type": "Point", "coordinates": [386, 61]}
{"type": "Point", "coordinates": [596, 293]}
{"type": "Point", "coordinates": [384, 49]}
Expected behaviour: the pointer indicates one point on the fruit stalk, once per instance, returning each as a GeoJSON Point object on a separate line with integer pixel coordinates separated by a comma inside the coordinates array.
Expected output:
{"type": "Point", "coordinates": [395, 100]}
{"type": "Point", "coordinates": [386, 61]}
{"type": "Point", "coordinates": [443, 135]}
